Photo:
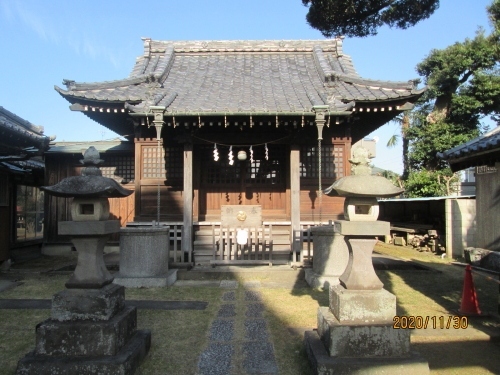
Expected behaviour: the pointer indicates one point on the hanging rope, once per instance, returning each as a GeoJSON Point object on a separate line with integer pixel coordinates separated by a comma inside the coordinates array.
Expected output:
{"type": "Point", "coordinates": [158, 190]}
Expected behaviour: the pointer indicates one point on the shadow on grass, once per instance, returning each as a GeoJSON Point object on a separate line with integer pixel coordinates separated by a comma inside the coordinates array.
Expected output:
{"type": "Point", "coordinates": [460, 357]}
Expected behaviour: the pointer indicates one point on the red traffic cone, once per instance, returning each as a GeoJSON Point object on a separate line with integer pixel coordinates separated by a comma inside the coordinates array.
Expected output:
{"type": "Point", "coordinates": [469, 305]}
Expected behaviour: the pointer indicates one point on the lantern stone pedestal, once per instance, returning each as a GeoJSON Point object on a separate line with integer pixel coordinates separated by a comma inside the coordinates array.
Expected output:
{"type": "Point", "coordinates": [144, 258]}
{"type": "Point", "coordinates": [330, 257]}
{"type": "Point", "coordinates": [355, 333]}
{"type": "Point", "coordinates": [90, 330]}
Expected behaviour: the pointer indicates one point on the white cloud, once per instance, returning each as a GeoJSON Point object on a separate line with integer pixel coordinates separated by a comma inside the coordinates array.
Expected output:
{"type": "Point", "coordinates": [47, 27]}
{"type": "Point", "coordinates": [34, 22]}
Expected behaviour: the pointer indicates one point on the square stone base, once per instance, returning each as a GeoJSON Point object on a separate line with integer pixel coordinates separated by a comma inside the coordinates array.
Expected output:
{"type": "Point", "coordinates": [86, 337]}
{"type": "Point", "coordinates": [323, 364]}
{"type": "Point", "coordinates": [361, 341]}
{"type": "Point", "coordinates": [320, 281]}
{"type": "Point", "coordinates": [147, 282]}
{"type": "Point", "coordinates": [125, 362]}
{"type": "Point", "coordinates": [93, 304]}
{"type": "Point", "coordinates": [362, 306]}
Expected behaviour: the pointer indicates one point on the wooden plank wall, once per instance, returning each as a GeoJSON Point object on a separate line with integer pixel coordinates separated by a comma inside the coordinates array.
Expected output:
{"type": "Point", "coordinates": [273, 203]}
{"type": "Point", "coordinates": [171, 196]}
{"type": "Point", "coordinates": [207, 202]}
{"type": "Point", "coordinates": [332, 208]}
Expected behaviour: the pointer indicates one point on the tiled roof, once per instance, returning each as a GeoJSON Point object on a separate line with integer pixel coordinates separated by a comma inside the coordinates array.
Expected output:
{"type": "Point", "coordinates": [197, 77]}
{"type": "Point", "coordinates": [482, 150]}
{"type": "Point", "coordinates": [116, 145]}
{"type": "Point", "coordinates": [25, 166]}
{"type": "Point", "coordinates": [18, 136]}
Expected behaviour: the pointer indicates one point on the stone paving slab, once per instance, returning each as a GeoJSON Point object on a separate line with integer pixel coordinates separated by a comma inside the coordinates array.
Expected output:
{"type": "Point", "coordinates": [252, 350]}
{"type": "Point", "coordinates": [229, 296]}
{"type": "Point", "coordinates": [254, 310]}
{"type": "Point", "coordinates": [140, 304]}
{"type": "Point", "coordinates": [259, 358]}
{"type": "Point", "coordinates": [230, 284]}
{"type": "Point", "coordinates": [251, 295]}
{"type": "Point", "coordinates": [222, 330]}
{"type": "Point", "coordinates": [256, 330]}
{"type": "Point", "coordinates": [216, 359]}
{"type": "Point", "coordinates": [227, 311]}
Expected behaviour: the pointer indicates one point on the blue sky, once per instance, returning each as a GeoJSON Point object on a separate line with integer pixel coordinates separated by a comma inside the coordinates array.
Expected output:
{"type": "Point", "coordinates": [43, 42]}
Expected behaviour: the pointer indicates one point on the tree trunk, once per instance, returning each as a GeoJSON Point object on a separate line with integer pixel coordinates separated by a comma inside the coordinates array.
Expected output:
{"type": "Point", "coordinates": [405, 124]}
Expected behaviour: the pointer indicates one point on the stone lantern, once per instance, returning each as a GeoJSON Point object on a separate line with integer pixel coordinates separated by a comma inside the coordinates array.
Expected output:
{"type": "Point", "coordinates": [355, 332]}
{"type": "Point", "coordinates": [90, 330]}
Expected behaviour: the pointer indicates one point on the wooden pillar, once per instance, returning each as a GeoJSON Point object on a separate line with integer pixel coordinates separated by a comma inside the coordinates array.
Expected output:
{"type": "Point", "coordinates": [295, 187]}
{"type": "Point", "coordinates": [137, 178]}
{"type": "Point", "coordinates": [187, 235]}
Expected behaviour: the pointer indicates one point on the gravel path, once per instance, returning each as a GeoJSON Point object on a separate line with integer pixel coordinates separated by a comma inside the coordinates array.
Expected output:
{"type": "Point", "coordinates": [239, 340]}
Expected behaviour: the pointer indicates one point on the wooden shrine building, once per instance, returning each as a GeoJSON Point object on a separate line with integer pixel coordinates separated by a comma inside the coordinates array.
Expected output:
{"type": "Point", "coordinates": [240, 123]}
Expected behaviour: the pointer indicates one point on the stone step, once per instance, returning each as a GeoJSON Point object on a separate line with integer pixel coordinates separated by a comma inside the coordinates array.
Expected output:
{"type": "Point", "coordinates": [205, 258]}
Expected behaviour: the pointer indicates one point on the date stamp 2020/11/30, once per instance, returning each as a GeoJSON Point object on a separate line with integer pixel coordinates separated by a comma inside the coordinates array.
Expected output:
{"type": "Point", "coordinates": [434, 322]}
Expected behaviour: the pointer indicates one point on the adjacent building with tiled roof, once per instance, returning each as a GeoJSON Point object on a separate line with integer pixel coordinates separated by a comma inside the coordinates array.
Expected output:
{"type": "Point", "coordinates": [480, 151]}
{"type": "Point", "coordinates": [22, 145]}
{"type": "Point", "coordinates": [289, 109]}
{"type": "Point", "coordinates": [483, 153]}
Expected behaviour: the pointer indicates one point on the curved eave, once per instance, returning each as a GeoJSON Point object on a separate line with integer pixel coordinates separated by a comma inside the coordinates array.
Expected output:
{"type": "Point", "coordinates": [98, 96]}
{"type": "Point", "coordinates": [125, 82]}
{"type": "Point", "coordinates": [389, 85]}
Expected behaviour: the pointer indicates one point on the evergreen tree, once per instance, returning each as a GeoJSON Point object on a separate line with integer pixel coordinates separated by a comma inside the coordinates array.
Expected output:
{"type": "Point", "coordinates": [464, 88]}
{"type": "Point", "coordinates": [360, 18]}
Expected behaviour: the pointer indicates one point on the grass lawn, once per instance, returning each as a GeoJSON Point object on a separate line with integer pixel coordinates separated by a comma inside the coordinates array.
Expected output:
{"type": "Point", "coordinates": [178, 337]}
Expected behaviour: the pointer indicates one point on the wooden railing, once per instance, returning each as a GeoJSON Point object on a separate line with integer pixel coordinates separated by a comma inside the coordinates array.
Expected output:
{"type": "Point", "coordinates": [257, 249]}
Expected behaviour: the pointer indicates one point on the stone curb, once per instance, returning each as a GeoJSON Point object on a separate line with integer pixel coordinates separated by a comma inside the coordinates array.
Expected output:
{"type": "Point", "coordinates": [43, 304]}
